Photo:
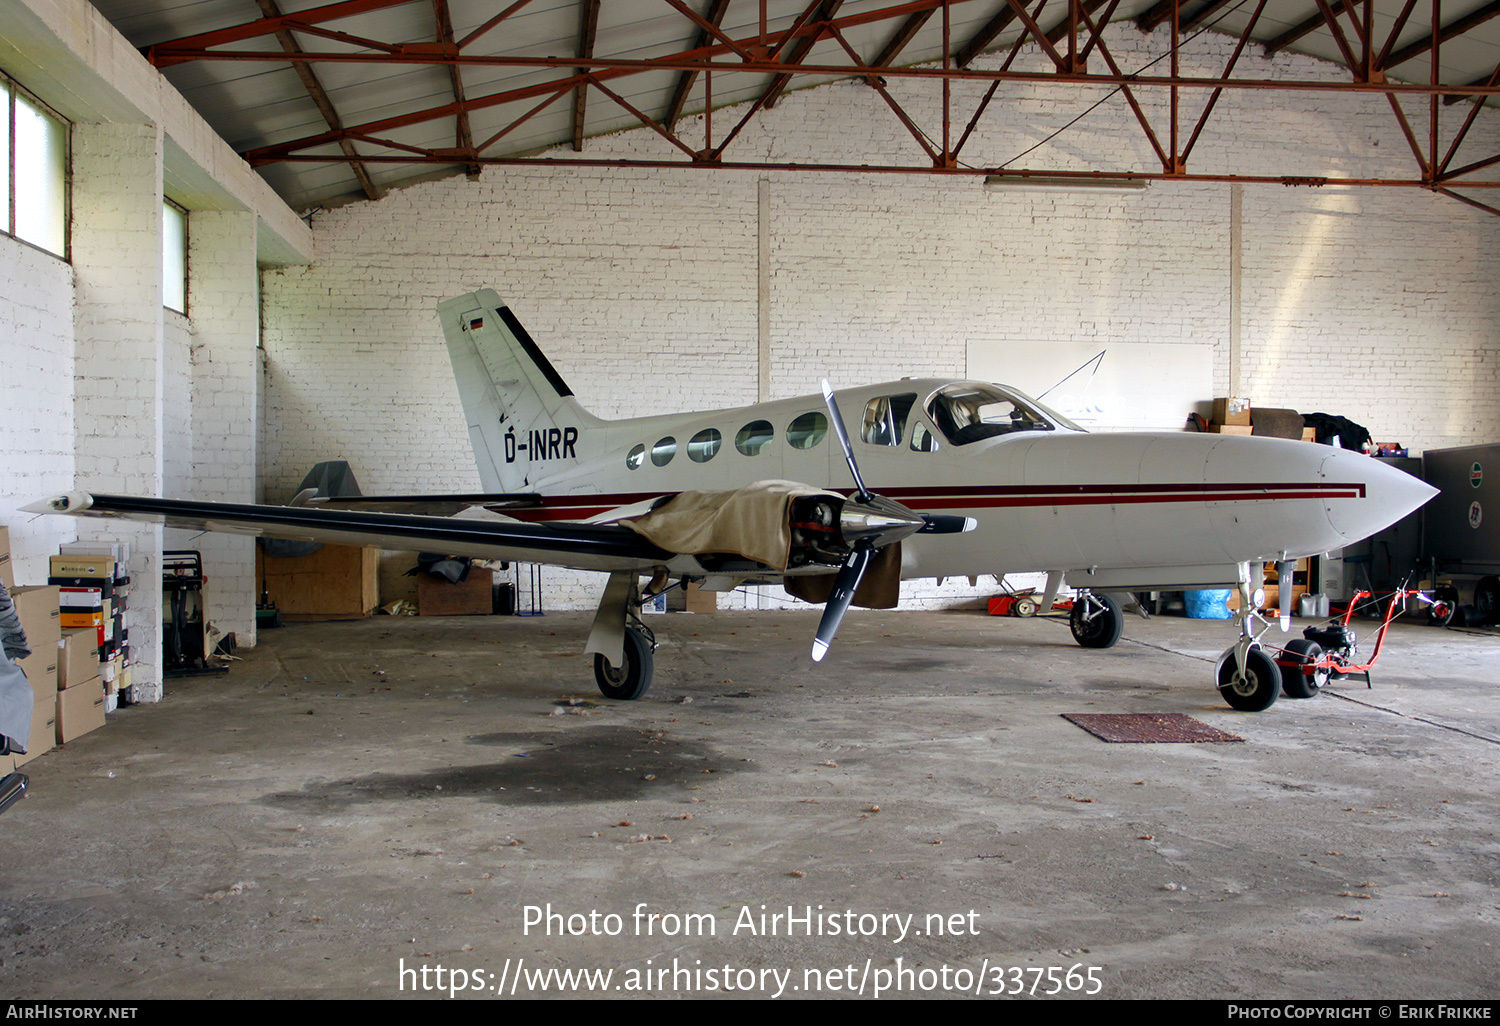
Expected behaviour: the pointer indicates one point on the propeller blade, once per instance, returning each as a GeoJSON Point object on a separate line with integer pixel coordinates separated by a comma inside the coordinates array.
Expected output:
{"type": "Point", "coordinates": [839, 429]}
{"type": "Point", "coordinates": [837, 605]}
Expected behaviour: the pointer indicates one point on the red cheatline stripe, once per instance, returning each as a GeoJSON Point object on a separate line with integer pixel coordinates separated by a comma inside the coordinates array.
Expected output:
{"type": "Point", "coordinates": [579, 507]}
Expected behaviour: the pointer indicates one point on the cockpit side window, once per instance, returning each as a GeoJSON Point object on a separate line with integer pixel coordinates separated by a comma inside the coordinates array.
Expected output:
{"type": "Point", "coordinates": [885, 419]}
{"type": "Point", "coordinates": [969, 413]}
{"type": "Point", "coordinates": [923, 440]}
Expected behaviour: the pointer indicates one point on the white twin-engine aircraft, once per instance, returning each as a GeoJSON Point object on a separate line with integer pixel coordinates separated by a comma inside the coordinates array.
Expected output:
{"type": "Point", "coordinates": [973, 478]}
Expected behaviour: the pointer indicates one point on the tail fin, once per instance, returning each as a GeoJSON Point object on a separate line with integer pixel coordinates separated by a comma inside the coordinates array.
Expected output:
{"type": "Point", "coordinates": [523, 420]}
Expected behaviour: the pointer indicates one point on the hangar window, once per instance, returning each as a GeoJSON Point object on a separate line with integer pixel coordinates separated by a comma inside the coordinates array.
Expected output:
{"type": "Point", "coordinates": [807, 430]}
{"type": "Point", "coordinates": [663, 451]}
{"type": "Point", "coordinates": [704, 446]}
{"type": "Point", "coordinates": [754, 437]}
{"type": "Point", "coordinates": [885, 419]}
{"type": "Point", "coordinates": [636, 458]}
{"type": "Point", "coordinates": [967, 413]}
{"type": "Point", "coordinates": [174, 264]}
{"type": "Point", "coordinates": [34, 171]}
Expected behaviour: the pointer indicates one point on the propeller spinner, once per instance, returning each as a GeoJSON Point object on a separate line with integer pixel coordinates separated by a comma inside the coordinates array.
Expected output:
{"type": "Point", "coordinates": [868, 522]}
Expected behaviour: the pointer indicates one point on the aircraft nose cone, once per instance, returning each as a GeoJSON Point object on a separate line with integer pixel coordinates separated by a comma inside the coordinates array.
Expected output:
{"type": "Point", "coordinates": [1378, 494]}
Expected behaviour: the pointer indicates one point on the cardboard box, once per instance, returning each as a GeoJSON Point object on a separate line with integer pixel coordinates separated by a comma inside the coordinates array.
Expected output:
{"type": "Point", "coordinates": [1231, 410]}
{"type": "Point", "coordinates": [105, 588]}
{"type": "Point", "coordinates": [7, 570]}
{"type": "Point", "coordinates": [43, 735]}
{"type": "Point", "coordinates": [79, 660]}
{"type": "Point", "coordinates": [39, 612]}
{"type": "Point", "coordinates": [693, 599]}
{"type": "Point", "coordinates": [1231, 429]}
{"type": "Point", "coordinates": [80, 709]}
{"type": "Point", "coordinates": [77, 620]}
{"type": "Point", "coordinates": [117, 551]}
{"type": "Point", "coordinates": [85, 566]}
{"type": "Point", "coordinates": [473, 596]}
{"type": "Point", "coordinates": [41, 620]}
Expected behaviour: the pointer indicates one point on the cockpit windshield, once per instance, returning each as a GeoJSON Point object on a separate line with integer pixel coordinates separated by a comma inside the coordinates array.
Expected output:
{"type": "Point", "coordinates": [969, 412]}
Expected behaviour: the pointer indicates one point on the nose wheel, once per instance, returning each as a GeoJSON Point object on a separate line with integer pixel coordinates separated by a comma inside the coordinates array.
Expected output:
{"type": "Point", "coordinates": [1253, 687]}
{"type": "Point", "coordinates": [1247, 676]}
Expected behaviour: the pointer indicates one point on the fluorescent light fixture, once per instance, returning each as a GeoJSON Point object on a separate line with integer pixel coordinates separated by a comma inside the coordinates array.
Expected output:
{"type": "Point", "coordinates": [1064, 183]}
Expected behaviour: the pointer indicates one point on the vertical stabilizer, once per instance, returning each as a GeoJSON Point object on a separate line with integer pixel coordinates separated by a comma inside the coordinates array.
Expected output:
{"type": "Point", "coordinates": [523, 420]}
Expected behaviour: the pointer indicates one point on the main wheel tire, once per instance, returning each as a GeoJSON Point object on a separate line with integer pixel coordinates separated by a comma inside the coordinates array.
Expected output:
{"type": "Point", "coordinates": [1096, 621]}
{"type": "Point", "coordinates": [1260, 686]}
{"type": "Point", "coordinates": [1487, 601]}
{"type": "Point", "coordinates": [1294, 682]}
{"type": "Point", "coordinates": [629, 682]}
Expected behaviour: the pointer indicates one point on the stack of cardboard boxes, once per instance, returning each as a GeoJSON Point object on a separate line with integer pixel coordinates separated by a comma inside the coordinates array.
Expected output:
{"type": "Point", "coordinates": [1232, 416]}
{"type": "Point", "coordinates": [93, 584]}
{"type": "Point", "coordinates": [64, 667]}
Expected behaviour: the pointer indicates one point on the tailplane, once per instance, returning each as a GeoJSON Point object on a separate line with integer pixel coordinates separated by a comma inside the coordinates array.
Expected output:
{"type": "Point", "coordinates": [523, 420]}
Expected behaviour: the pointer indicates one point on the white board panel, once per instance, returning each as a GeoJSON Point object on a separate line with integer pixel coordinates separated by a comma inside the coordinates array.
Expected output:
{"type": "Point", "coordinates": [1123, 386]}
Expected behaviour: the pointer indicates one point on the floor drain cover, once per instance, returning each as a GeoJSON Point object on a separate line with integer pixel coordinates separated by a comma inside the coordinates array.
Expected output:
{"type": "Point", "coordinates": [1148, 728]}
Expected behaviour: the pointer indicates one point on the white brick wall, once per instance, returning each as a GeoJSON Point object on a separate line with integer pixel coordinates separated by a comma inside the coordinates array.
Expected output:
{"type": "Point", "coordinates": [36, 393]}
{"type": "Point", "coordinates": [225, 306]}
{"type": "Point", "coordinates": [177, 409]}
{"type": "Point", "coordinates": [120, 357]}
{"type": "Point", "coordinates": [642, 285]}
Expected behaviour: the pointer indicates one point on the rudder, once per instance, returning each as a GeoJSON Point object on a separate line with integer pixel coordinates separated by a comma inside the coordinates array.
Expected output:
{"type": "Point", "coordinates": [523, 421]}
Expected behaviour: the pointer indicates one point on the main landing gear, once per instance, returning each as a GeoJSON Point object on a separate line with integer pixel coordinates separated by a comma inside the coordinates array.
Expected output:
{"type": "Point", "coordinates": [632, 677]}
{"type": "Point", "coordinates": [1096, 620]}
{"type": "Point", "coordinates": [622, 646]}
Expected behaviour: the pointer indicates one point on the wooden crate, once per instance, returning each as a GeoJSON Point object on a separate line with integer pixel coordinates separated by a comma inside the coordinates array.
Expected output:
{"type": "Point", "coordinates": [473, 596]}
{"type": "Point", "coordinates": [338, 582]}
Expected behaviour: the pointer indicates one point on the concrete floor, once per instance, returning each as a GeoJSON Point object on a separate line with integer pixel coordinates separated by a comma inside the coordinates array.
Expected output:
{"type": "Point", "coordinates": [356, 799]}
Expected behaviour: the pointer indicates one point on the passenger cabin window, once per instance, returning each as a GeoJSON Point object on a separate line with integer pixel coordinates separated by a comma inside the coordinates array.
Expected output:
{"type": "Point", "coordinates": [754, 437]}
{"type": "Point", "coordinates": [807, 430]}
{"type": "Point", "coordinates": [885, 419]}
{"type": "Point", "coordinates": [922, 440]}
{"type": "Point", "coordinates": [636, 458]}
{"type": "Point", "coordinates": [704, 446]}
{"type": "Point", "coordinates": [663, 451]}
{"type": "Point", "coordinates": [970, 413]}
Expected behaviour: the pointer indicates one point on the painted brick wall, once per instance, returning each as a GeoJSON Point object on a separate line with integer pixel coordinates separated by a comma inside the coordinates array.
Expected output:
{"type": "Point", "coordinates": [36, 393]}
{"type": "Point", "coordinates": [642, 286]}
{"type": "Point", "coordinates": [177, 412]}
{"type": "Point", "coordinates": [120, 362]}
{"type": "Point", "coordinates": [225, 308]}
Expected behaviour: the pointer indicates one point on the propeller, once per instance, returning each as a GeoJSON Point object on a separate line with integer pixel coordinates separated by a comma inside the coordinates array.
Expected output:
{"type": "Point", "coordinates": [868, 522]}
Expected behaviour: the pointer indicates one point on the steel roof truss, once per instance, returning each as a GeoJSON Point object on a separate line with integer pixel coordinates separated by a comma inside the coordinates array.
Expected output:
{"type": "Point", "coordinates": [463, 136]}
{"type": "Point", "coordinates": [1228, 70]}
{"type": "Point", "coordinates": [588, 30]}
{"type": "Point", "coordinates": [685, 79]}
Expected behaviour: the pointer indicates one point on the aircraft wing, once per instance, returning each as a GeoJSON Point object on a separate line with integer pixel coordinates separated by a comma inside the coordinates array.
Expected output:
{"type": "Point", "coordinates": [606, 547]}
